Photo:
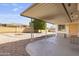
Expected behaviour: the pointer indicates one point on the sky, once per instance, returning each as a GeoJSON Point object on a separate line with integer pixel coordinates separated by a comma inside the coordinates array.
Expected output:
{"type": "Point", "coordinates": [10, 13]}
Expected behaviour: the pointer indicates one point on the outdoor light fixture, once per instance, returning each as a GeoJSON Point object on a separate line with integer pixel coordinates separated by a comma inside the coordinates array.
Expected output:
{"type": "Point", "coordinates": [75, 15]}
{"type": "Point", "coordinates": [69, 4]}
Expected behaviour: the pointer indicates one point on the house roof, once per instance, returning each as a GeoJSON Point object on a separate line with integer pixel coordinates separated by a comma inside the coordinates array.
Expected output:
{"type": "Point", "coordinates": [51, 12]}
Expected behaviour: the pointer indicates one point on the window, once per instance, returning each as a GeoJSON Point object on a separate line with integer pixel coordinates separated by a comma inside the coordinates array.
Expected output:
{"type": "Point", "coordinates": [61, 27]}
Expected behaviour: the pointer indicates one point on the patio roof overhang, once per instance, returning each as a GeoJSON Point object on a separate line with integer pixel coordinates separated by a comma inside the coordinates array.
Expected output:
{"type": "Point", "coordinates": [49, 12]}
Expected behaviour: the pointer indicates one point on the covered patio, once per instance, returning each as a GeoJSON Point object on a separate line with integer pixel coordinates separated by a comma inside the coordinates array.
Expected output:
{"type": "Point", "coordinates": [65, 42]}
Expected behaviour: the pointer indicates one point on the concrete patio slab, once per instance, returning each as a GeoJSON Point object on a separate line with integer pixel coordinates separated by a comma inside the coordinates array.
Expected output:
{"type": "Point", "coordinates": [53, 46]}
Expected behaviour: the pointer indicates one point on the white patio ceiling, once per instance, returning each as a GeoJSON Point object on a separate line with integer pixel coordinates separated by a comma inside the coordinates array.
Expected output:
{"type": "Point", "coordinates": [50, 12]}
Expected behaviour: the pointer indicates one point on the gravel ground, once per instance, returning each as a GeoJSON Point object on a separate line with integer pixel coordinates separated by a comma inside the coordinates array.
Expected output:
{"type": "Point", "coordinates": [16, 48]}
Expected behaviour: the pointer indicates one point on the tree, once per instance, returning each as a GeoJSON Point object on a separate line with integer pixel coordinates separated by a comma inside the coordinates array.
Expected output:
{"type": "Point", "coordinates": [38, 25]}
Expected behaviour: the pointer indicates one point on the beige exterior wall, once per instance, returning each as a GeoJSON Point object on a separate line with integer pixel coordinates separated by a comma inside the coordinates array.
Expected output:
{"type": "Point", "coordinates": [13, 29]}
{"type": "Point", "coordinates": [73, 29]}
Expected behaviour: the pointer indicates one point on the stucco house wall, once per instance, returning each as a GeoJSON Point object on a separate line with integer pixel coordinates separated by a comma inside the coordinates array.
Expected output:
{"type": "Point", "coordinates": [10, 29]}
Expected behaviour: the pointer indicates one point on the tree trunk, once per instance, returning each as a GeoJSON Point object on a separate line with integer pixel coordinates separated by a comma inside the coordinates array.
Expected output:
{"type": "Point", "coordinates": [36, 31]}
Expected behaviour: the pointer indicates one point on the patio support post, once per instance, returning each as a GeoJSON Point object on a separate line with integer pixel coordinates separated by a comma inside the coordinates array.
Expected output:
{"type": "Point", "coordinates": [32, 30]}
{"type": "Point", "coordinates": [56, 30]}
{"type": "Point", "coordinates": [46, 32]}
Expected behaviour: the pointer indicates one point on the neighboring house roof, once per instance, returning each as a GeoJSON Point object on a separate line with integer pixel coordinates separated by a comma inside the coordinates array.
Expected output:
{"type": "Point", "coordinates": [14, 25]}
